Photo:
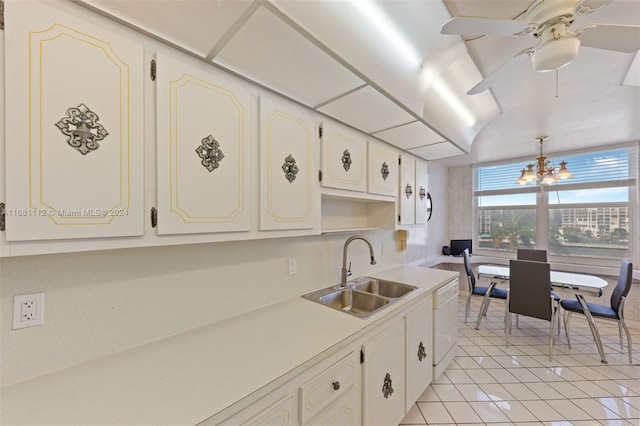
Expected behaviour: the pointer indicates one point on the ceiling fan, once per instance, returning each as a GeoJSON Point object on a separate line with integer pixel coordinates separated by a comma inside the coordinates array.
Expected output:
{"type": "Point", "coordinates": [548, 21]}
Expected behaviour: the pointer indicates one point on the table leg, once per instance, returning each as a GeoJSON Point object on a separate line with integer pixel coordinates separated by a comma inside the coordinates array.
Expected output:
{"type": "Point", "coordinates": [593, 327]}
{"type": "Point", "coordinates": [485, 302]}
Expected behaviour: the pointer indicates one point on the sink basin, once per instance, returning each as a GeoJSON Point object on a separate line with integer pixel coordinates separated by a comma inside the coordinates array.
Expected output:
{"type": "Point", "coordinates": [355, 302]}
{"type": "Point", "coordinates": [383, 288]}
{"type": "Point", "coordinates": [361, 297]}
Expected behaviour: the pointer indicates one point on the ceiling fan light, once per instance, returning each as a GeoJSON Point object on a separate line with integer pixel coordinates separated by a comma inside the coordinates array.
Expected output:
{"type": "Point", "coordinates": [555, 54]}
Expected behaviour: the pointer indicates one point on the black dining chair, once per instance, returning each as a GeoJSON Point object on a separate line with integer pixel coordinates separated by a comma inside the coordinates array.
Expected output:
{"type": "Point", "coordinates": [536, 255]}
{"type": "Point", "coordinates": [532, 254]}
{"type": "Point", "coordinates": [614, 312]}
{"type": "Point", "coordinates": [474, 290]}
{"type": "Point", "coordinates": [530, 295]}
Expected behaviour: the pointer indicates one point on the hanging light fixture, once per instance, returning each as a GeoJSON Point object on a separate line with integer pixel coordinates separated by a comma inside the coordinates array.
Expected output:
{"type": "Point", "coordinates": [543, 172]}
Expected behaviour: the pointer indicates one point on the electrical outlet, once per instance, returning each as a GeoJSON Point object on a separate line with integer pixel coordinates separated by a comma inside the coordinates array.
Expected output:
{"type": "Point", "coordinates": [28, 310]}
{"type": "Point", "coordinates": [293, 266]}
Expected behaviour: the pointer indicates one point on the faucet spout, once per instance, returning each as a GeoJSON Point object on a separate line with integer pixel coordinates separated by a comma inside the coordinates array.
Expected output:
{"type": "Point", "coordinates": [345, 272]}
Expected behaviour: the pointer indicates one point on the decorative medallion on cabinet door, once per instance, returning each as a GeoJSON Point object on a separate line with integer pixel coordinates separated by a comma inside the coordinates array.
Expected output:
{"type": "Point", "coordinates": [71, 82]}
{"type": "Point", "coordinates": [287, 144]}
{"type": "Point", "coordinates": [383, 169]}
{"type": "Point", "coordinates": [344, 158]}
{"type": "Point", "coordinates": [203, 167]}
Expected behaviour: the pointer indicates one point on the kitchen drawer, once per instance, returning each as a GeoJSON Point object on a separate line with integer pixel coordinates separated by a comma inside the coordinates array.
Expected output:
{"type": "Point", "coordinates": [330, 384]}
{"type": "Point", "coordinates": [346, 411]}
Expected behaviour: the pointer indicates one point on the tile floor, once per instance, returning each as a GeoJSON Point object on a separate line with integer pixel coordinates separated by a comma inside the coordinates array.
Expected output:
{"type": "Point", "coordinates": [490, 383]}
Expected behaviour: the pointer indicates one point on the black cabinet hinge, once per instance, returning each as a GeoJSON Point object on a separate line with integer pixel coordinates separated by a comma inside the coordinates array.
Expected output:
{"type": "Point", "coordinates": [399, 218]}
{"type": "Point", "coordinates": [361, 357]}
{"type": "Point", "coordinates": [2, 216]}
{"type": "Point", "coordinates": [320, 175]}
{"type": "Point", "coordinates": [320, 131]}
{"type": "Point", "coordinates": [399, 161]}
{"type": "Point", "coordinates": [152, 70]}
{"type": "Point", "coordinates": [2, 18]}
{"type": "Point", "coordinates": [154, 217]}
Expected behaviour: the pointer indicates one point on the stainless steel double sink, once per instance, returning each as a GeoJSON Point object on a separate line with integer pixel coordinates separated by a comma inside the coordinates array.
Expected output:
{"type": "Point", "coordinates": [361, 297]}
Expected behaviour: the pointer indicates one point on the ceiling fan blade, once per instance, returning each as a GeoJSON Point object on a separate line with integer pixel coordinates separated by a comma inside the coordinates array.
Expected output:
{"type": "Point", "coordinates": [585, 7]}
{"type": "Point", "coordinates": [500, 72]}
{"type": "Point", "coordinates": [620, 38]}
{"type": "Point", "coordinates": [485, 26]}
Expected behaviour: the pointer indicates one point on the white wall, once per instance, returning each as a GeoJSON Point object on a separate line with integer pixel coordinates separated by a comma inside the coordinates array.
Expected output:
{"type": "Point", "coordinates": [102, 302]}
{"type": "Point", "coordinates": [460, 186]}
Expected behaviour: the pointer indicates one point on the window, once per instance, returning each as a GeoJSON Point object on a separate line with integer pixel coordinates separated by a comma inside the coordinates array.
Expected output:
{"type": "Point", "coordinates": [590, 215]}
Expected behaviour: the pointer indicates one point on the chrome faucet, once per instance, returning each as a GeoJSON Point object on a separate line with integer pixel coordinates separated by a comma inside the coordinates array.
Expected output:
{"type": "Point", "coordinates": [345, 272]}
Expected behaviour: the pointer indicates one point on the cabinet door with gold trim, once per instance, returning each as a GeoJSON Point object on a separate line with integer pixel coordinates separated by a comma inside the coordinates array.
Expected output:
{"type": "Point", "coordinates": [203, 134]}
{"type": "Point", "coordinates": [288, 164]}
{"type": "Point", "coordinates": [74, 127]}
{"type": "Point", "coordinates": [344, 157]}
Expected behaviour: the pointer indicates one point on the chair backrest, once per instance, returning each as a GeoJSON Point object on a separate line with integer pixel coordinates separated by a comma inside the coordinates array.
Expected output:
{"type": "Point", "coordinates": [532, 254]}
{"type": "Point", "coordinates": [624, 284]}
{"type": "Point", "coordinates": [467, 266]}
{"type": "Point", "coordinates": [530, 289]}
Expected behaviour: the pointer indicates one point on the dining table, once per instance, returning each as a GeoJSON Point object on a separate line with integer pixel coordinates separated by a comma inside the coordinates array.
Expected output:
{"type": "Point", "coordinates": [574, 284]}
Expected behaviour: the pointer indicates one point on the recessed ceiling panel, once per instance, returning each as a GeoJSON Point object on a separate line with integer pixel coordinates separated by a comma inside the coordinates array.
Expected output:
{"type": "Point", "coordinates": [410, 135]}
{"type": "Point", "coordinates": [368, 110]}
{"type": "Point", "coordinates": [437, 151]}
{"type": "Point", "coordinates": [196, 26]}
{"type": "Point", "coordinates": [270, 52]}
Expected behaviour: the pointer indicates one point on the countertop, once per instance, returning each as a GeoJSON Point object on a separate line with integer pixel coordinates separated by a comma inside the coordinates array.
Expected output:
{"type": "Point", "coordinates": [188, 378]}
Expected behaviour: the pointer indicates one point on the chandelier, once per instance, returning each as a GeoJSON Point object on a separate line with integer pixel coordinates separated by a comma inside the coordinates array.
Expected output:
{"type": "Point", "coordinates": [543, 172]}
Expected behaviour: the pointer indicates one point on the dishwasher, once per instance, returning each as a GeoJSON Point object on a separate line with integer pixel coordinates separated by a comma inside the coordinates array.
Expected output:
{"type": "Point", "coordinates": [445, 326]}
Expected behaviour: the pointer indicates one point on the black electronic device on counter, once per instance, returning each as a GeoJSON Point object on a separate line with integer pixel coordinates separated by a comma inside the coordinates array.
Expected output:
{"type": "Point", "coordinates": [458, 246]}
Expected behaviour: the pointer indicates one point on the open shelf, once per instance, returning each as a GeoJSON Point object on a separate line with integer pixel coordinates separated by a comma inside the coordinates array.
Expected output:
{"type": "Point", "coordinates": [341, 215]}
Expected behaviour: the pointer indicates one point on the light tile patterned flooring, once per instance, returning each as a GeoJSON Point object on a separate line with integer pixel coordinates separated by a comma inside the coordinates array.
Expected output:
{"type": "Point", "coordinates": [490, 383]}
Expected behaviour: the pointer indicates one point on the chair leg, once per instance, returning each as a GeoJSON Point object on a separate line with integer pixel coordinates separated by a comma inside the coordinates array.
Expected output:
{"type": "Point", "coordinates": [467, 308]}
{"type": "Point", "coordinates": [626, 330]}
{"type": "Point", "coordinates": [620, 333]}
{"type": "Point", "coordinates": [567, 317]}
{"type": "Point", "coordinates": [486, 308]}
{"type": "Point", "coordinates": [508, 328]}
{"type": "Point", "coordinates": [552, 332]}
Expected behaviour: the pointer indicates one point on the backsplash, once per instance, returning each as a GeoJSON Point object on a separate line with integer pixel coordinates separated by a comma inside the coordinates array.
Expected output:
{"type": "Point", "coordinates": [102, 302]}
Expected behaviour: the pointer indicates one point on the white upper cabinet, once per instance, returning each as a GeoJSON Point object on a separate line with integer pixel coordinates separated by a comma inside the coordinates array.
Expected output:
{"type": "Point", "coordinates": [344, 157]}
{"type": "Point", "coordinates": [382, 169]}
{"type": "Point", "coordinates": [74, 127]}
{"type": "Point", "coordinates": [203, 150]}
{"type": "Point", "coordinates": [422, 201]}
{"type": "Point", "coordinates": [289, 152]}
{"type": "Point", "coordinates": [407, 193]}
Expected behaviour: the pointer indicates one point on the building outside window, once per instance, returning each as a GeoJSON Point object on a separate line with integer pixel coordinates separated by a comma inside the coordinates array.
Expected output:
{"type": "Point", "coordinates": [590, 215]}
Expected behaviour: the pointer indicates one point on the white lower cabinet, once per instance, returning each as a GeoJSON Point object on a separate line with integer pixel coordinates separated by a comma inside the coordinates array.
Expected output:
{"type": "Point", "coordinates": [384, 377]}
{"type": "Point", "coordinates": [373, 380]}
{"type": "Point", "coordinates": [419, 350]}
